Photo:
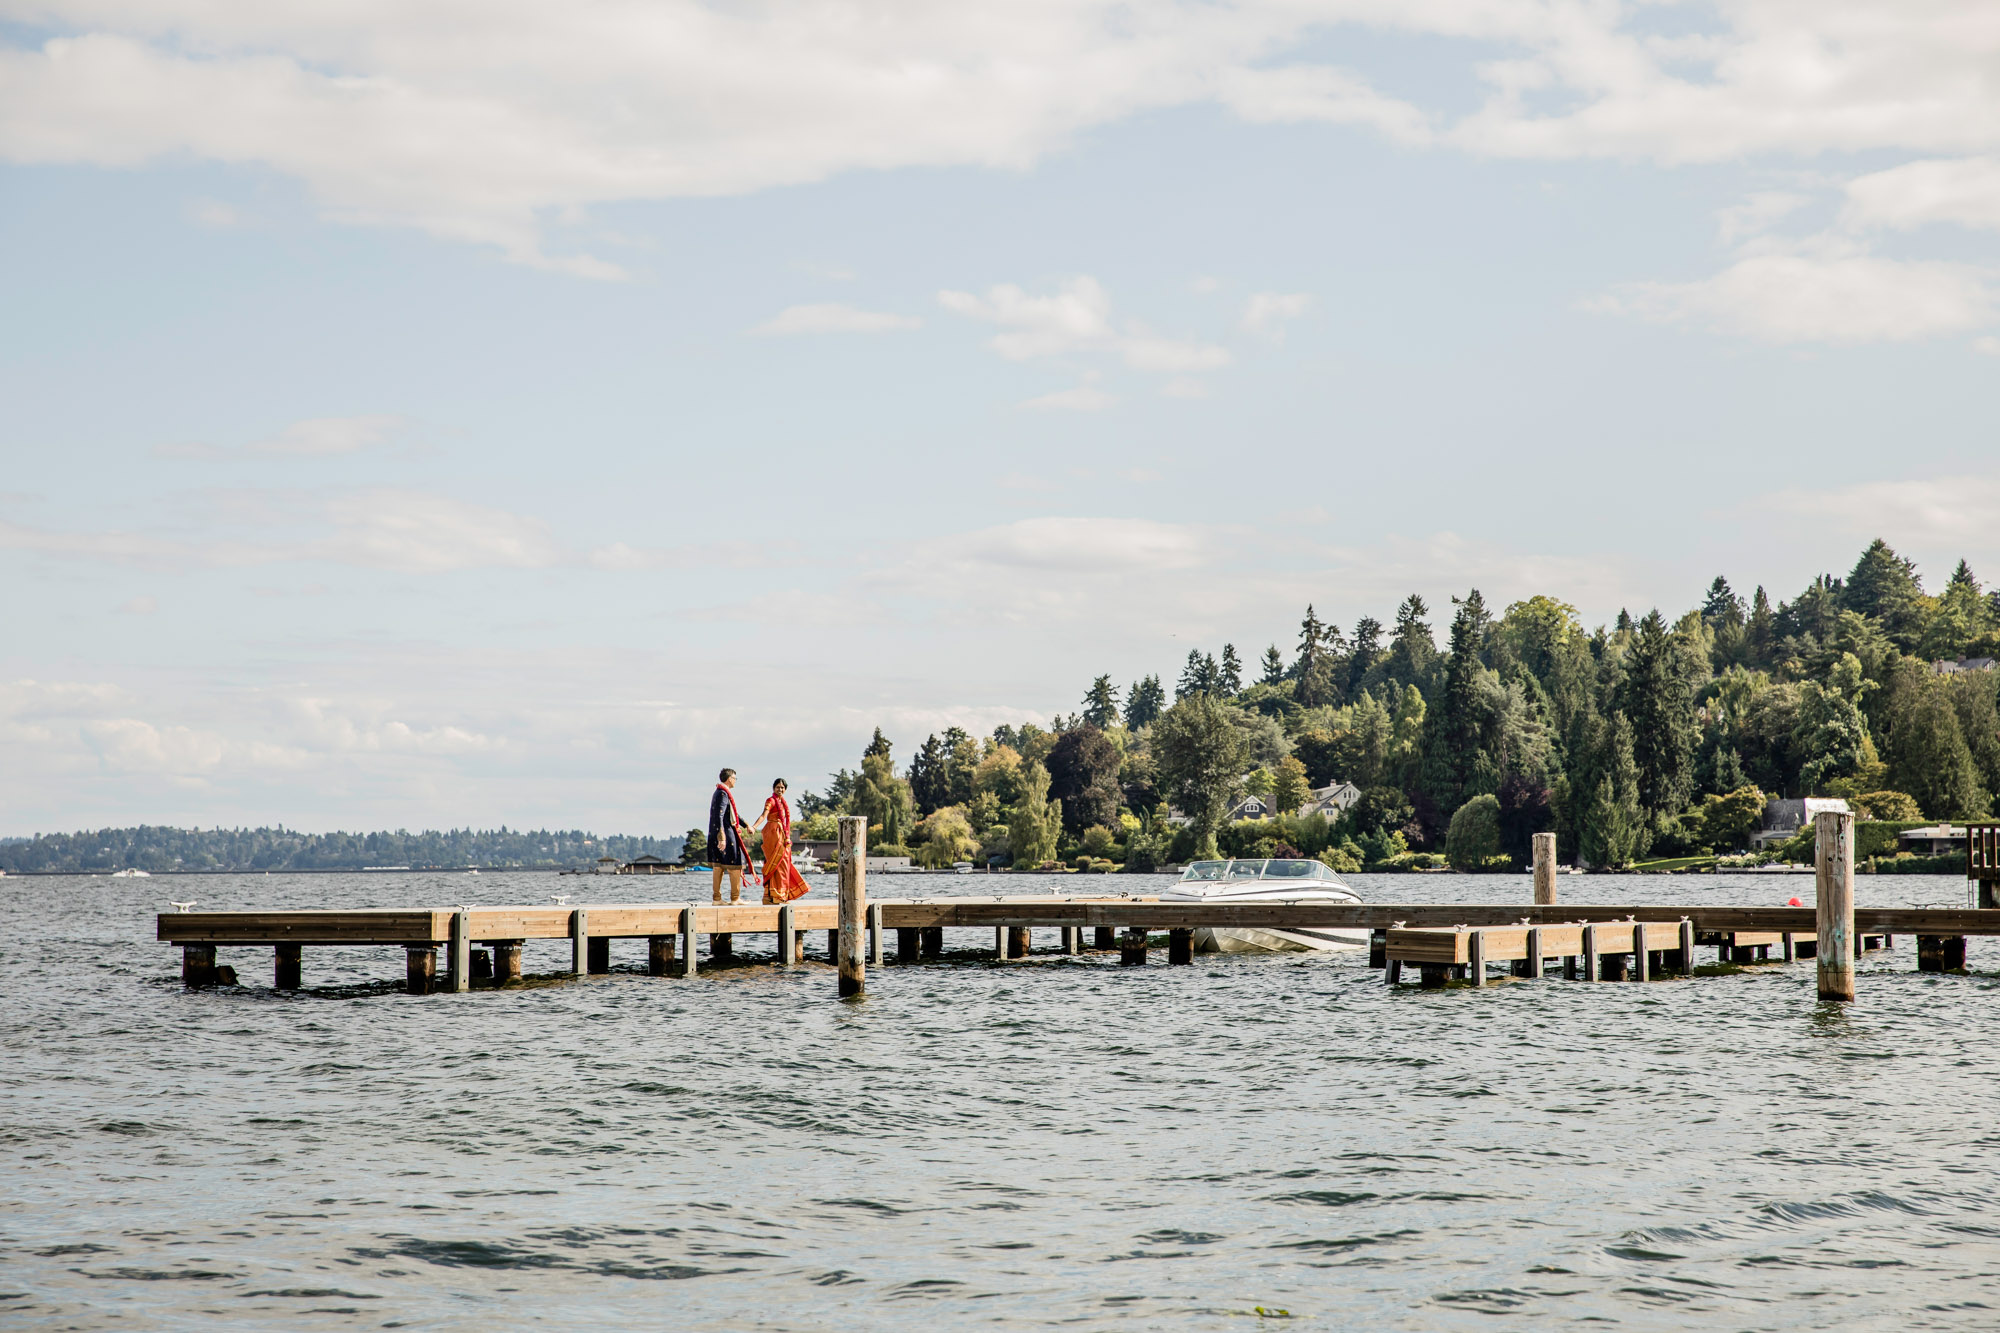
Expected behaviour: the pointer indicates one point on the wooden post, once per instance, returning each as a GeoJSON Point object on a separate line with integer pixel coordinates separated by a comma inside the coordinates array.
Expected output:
{"type": "Point", "coordinates": [507, 961]}
{"type": "Point", "coordinates": [1790, 950]}
{"type": "Point", "coordinates": [721, 946]}
{"type": "Point", "coordinates": [1180, 947]}
{"type": "Point", "coordinates": [1432, 976]}
{"type": "Point", "coordinates": [420, 969]}
{"type": "Point", "coordinates": [853, 904]}
{"type": "Point", "coordinates": [1642, 958]}
{"type": "Point", "coordinates": [1833, 901]}
{"type": "Point", "coordinates": [461, 951]}
{"type": "Point", "coordinates": [1392, 971]}
{"type": "Point", "coordinates": [875, 943]}
{"type": "Point", "coordinates": [289, 966]}
{"type": "Point", "coordinates": [933, 941]}
{"type": "Point", "coordinates": [1378, 948]}
{"type": "Point", "coordinates": [1020, 941]}
{"type": "Point", "coordinates": [688, 938]}
{"type": "Point", "coordinates": [1000, 943]}
{"type": "Point", "coordinates": [832, 944]}
{"type": "Point", "coordinates": [1132, 948]}
{"type": "Point", "coordinates": [909, 944]}
{"type": "Point", "coordinates": [197, 965]}
{"type": "Point", "coordinates": [1072, 941]}
{"type": "Point", "coordinates": [788, 940]}
{"type": "Point", "coordinates": [598, 955]}
{"type": "Point", "coordinates": [1106, 937]}
{"type": "Point", "coordinates": [1545, 868]}
{"type": "Point", "coordinates": [1475, 970]}
{"type": "Point", "coordinates": [1590, 964]}
{"type": "Point", "coordinates": [1940, 953]}
{"type": "Point", "coordinates": [1687, 947]}
{"type": "Point", "coordinates": [659, 955]}
{"type": "Point", "coordinates": [579, 942]}
{"type": "Point", "coordinates": [482, 965]}
{"type": "Point", "coordinates": [1535, 952]}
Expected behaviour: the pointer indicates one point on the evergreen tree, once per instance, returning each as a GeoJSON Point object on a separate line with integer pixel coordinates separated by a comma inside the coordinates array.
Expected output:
{"type": "Point", "coordinates": [1412, 651]}
{"type": "Point", "coordinates": [1656, 698]}
{"type": "Point", "coordinates": [1274, 667]}
{"type": "Point", "coordinates": [1406, 744]}
{"type": "Point", "coordinates": [1033, 823]}
{"type": "Point", "coordinates": [1229, 679]}
{"type": "Point", "coordinates": [1311, 669]}
{"type": "Point", "coordinates": [1367, 652]}
{"type": "Point", "coordinates": [930, 779]}
{"type": "Point", "coordinates": [1925, 747]}
{"type": "Point", "coordinates": [1083, 776]}
{"type": "Point", "coordinates": [878, 746]}
{"type": "Point", "coordinates": [1100, 705]}
{"type": "Point", "coordinates": [1143, 702]}
{"type": "Point", "coordinates": [1290, 787]}
{"type": "Point", "coordinates": [1885, 587]}
{"type": "Point", "coordinates": [1452, 730]}
{"type": "Point", "coordinates": [1723, 606]}
{"type": "Point", "coordinates": [1200, 754]}
{"type": "Point", "coordinates": [961, 761]}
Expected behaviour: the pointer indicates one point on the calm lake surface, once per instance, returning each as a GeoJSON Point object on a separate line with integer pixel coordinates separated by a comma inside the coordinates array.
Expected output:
{"type": "Point", "coordinates": [1057, 1142]}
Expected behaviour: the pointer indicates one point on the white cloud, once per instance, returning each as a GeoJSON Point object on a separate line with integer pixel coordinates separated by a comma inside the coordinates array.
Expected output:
{"type": "Point", "coordinates": [418, 533]}
{"type": "Point", "coordinates": [1085, 397]}
{"type": "Point", "coordinates": [1932, 510]}
{"type": "Point", "coordinates": [497, 127]}
{"type": "Point", "coordinates": [314, 437]}
{"type": "Point", "coordinates": [1965, 191]}
{"type": "Point", "coordinates": [1757, 214]}
{"type": "Point", "coordinates": [834, 319]}
{"type": "Point", "coordinates": [1266, 313]}
{"type": "Point", "coordinates": [214, 214]}
{"type": "Point", "coordinates": [1076, 320]}
{"type": "Point", "coordinates": [1818, 298]}
{"type": "Point", "coordinates": [1989, 345]}
{"type": "Point", "coordinates": [139, 606]}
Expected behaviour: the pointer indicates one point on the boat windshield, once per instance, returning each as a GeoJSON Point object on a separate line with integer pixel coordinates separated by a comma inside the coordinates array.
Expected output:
{"type": "Point", "coordinates": [1296, 870]}
{"type": "Point", "coordinates": [1206, 870]}
{"type": "Point", "coordinates": [1245, 869]}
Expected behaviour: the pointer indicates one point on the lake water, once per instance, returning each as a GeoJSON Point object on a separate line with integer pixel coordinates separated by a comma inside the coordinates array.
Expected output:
{"type": "Point", "coordinates": [1057, 1142]}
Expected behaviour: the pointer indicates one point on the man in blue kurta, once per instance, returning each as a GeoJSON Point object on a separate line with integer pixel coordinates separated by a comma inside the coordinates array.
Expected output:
{"type": "Point", "coordinates": [725, 838]}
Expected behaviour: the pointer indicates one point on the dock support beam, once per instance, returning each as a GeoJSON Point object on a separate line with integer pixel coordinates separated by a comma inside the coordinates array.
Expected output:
{"type": "Point", "coordinates": [1686, 968]}
{"type": "Point", "coordinates": [1020, 941]}
{"type": "Point", "coordinates": [1534, 960]}
{"type": "Point", "coordinates": [579, 942]}
{"type": "Point", "coordinates": [420, 968]}
{"type": "Point", "coordinates": [1180, 947]}
{"type": "Point", "coordinates": [461, 951]}
{"type": "Point", "coordinates": [933, 938]}
{"type": "Point", "coordinates": [788, 940]}
{"type": "Point", "coordinates": [289, 966]}
{"type": "Point", "coordinates": [1833, 859]}
{"type": "Point", "coordinates": [1475, 968]}
{"type": "Point", "coordinates": [1642, 958]}
{"type": "Point", "coordinates": [909, 944]}
{"type": "Point", "coordinates": [197, 965]}
{"type": "Point", "coordinates": [1940, 953]}
{"type": "Point", "coordinates": [1132, 948]}
{"type": "Point", "coordinates": [1545, 869]}
{"type": "Point", "coordinates": [1590, 958]}
{"type": "Point", "coordinates": [853, 905]}
{"type": "Point", "coordinates": [507, 961]}
{"type": "Point", "coordinates": [1106, 937]}
{"type": "Point", "coordinates": [659, 955]}
{"type": "Point", "coordinates": [875, 932]}
{"type": "Point", "coordinates": [1072, 941]}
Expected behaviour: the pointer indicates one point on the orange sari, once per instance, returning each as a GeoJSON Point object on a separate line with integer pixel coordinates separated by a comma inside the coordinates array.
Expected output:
{"type": "Point", "coordinates": [782, 881]}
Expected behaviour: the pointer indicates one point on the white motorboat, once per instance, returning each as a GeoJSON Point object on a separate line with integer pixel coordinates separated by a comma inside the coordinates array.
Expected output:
{"type": "Point", "coordinates": [1273, 881]}
{"type": "Point", "coordinates": [132, 873]}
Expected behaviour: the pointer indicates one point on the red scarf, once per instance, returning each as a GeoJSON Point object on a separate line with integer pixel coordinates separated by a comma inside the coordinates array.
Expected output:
{"type": "Point", "coordinates": [736, 819]}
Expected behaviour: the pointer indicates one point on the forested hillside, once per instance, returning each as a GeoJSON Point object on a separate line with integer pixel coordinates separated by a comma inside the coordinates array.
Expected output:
{"type": "Point", "coordinates": [1656, 736]}
{"type": "Point", "coordinates": [159, 849]}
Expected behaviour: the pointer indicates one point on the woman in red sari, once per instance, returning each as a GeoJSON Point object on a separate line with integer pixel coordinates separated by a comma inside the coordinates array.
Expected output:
{"type": "Point", "coordinates": [782, 880]}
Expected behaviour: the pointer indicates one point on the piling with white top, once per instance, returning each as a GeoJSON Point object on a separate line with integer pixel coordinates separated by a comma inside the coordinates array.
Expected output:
{"type": "Point", "coordinates": [1833, 863]}
{"type": "Point", "coordinates": [853, 905]}
{"type": "Point", "coordinates": [1545, 869]}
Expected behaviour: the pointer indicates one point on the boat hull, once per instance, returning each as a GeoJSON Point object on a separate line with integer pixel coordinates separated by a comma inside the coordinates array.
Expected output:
{"type": "Point", "coordinates": [1214, 939]}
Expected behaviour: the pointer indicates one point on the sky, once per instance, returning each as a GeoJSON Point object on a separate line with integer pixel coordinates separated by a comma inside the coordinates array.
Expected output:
{"type": "Point", "coordinates": [432, 413]}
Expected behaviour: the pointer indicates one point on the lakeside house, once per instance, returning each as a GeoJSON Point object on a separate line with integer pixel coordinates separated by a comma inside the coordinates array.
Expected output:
{"type": "Point", "coordinates": [1939, 839]}
{"type": "Point", "coordinates": [1250, 807]}
{"type": "Point", "coordinates": [649, 865]}
{"type": "Point", "coordinates": [1963, 665]}
{"type": "Point", "coordinates": [607, 865]}
{"type": "Point", "coordinates": [1784, 818]}
{"type": "Point", "coordinates": [1333, 801]}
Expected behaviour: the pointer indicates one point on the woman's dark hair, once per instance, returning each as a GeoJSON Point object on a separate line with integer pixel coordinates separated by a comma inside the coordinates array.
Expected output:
{"type": "Point", "coordinates": [779, 782]}
{"type": "Point", "coordinates": [725, 775]}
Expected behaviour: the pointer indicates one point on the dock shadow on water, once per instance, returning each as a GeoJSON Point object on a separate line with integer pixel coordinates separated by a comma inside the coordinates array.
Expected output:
{"type": "Point", "coordinates": [1058, 1141]}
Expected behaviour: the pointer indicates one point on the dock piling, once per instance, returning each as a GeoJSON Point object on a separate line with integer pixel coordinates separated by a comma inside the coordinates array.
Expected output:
{"type": "Point", "coordinates": [1072, 941]}
{"type": "Point", "coordinates": [909, 944]}
{"type": "Point", "coordinates": [507, 961]}
{"type": "Point", "coordinates": [1642, 957]}
{"type": "Point", "coordinates": [875, 933]}
{"type": "Point", "coordinates": [579, 942]}
{"type": "Point", "coordinates": [197, 965]}
{"type": "Point", "coordinates": [1545, 868]}
{"type": "Point", "coordinates": [289, 967]}
{"type": "Point", "coordinates": [1180, 947]}
{"type": "Point", "coordinates": [1020, 941]}
{"type": "Point", "coordinates": [1534, 971]}
{"type": "Point", "coordinates": [1590, 957]}
{"type": "Point", "coordinates": [659, 956]}
{"type": "Point", "coordinates": [1105, 938]}
{"type": "Point", "coordinates": [461, 951]}
{"type": "Point", "coordinates": [1687, 948]}
{"type": "Point", "coordinates": [1000, 943]}
{"type": "Point", "coordinates": [1833, 833]}
{"type": "Point", "coordinates": [1132, 948]}
{"type": "Point", "coordinates": [853, 905]}
{"type": "Point", "coordinates": [788, 941]}
{"type": "Point", "coordinates": [1475, 967]}
{"type": "Point", "coordinates": [420, 969]}
{"type": "Point", "coordinates": [688, 935]}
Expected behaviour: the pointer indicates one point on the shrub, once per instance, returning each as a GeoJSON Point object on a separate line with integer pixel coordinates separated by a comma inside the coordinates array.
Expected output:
{"type": "Point", "coordinates": [1474, 836]}
{"type": "Point", "coordinates": [1098, 841]}
{"type": "Point", "coordinates": [1887, 806]}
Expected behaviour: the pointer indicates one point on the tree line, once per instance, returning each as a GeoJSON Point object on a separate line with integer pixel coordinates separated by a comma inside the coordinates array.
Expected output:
{"type": "Point", "coordinates": [1652, 737]}
{"type": "Point", "coordinates": [160, 849]}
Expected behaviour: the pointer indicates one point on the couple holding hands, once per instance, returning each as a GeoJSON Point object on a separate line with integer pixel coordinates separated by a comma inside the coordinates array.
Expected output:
{"type": "Point", "coordinates": [727, 853]}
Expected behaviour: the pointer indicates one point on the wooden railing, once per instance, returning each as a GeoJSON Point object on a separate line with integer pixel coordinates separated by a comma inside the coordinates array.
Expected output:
{"type": "Point", "coordinates": [1982, 851]}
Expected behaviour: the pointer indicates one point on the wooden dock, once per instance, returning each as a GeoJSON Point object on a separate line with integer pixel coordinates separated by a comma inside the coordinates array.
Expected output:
{"type": "Point", "coordinates": [1440, 939]}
